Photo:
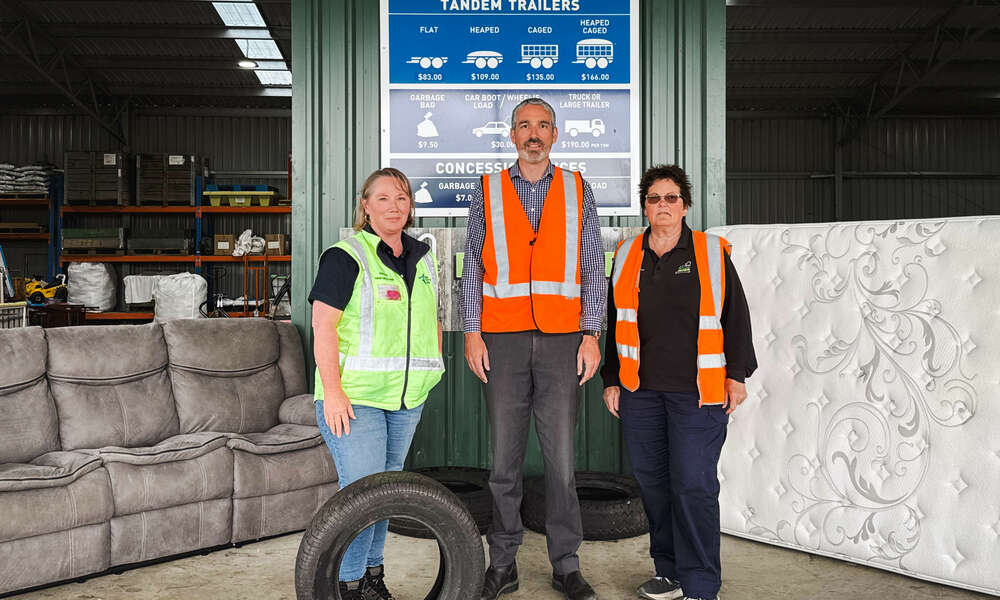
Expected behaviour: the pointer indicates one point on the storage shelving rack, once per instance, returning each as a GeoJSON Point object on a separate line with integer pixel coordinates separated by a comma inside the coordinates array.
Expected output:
{"type": "Point", "coordinates": [198, 260]}
{"type": "Point", "coordinates": [50, 201]}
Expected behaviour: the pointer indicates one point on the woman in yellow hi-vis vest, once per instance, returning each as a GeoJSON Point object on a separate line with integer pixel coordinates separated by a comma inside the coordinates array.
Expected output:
{"type": "Point", "coordinates": [678, 350]}
{"type": "Point", "coordinates": [378, 353]}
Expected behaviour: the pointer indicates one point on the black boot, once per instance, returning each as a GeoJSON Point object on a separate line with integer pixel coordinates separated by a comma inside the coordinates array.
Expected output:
{"type": "Point", "coordinates": [375, 581]}
{"type": "Point", "coordinates": [353, 590]}
{"type": "Point", "coordinates": [573, 586]}
{"type": "Point", "coordinates": [499, 580]}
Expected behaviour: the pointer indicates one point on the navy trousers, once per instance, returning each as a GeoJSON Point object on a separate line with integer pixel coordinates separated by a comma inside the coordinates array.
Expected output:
{"type": "Point", "coordinates": [674, 448]}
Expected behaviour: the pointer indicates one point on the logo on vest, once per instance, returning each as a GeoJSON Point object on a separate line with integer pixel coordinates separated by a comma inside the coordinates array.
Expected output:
{"type": "Point", "coordinates": [425, 279]}
{"type": "Point", "coordinates": [683, 269]}
{"type": "Point", "coordinates": [389, 292]}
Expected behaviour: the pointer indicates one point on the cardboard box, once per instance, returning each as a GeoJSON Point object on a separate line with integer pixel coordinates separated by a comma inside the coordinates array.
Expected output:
{"type": "Point", "coordinates": [224, 244]}
{"type": "Point", "coordinates": [276, 244]}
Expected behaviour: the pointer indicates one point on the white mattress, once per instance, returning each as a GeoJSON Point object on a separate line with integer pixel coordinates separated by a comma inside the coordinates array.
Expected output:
{"type": "Point", "coordinates": [872, 428]}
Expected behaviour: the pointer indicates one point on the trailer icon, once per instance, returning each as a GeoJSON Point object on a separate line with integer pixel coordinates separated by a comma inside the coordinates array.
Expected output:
{"type": "Point", "coordinates": [539, 55]}
{"type": "Point", "coordinates": [594, 127]}
{"type": "Point", "coordinates": [595, 53]}
{"type": "Point", "coordinates": [427, 62]}
{"type": "Point", "coordinates": [483, 59]}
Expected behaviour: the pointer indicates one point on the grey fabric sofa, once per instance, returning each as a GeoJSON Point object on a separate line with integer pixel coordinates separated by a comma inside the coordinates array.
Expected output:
{"type": "Point", "coordinates": [123, 444]}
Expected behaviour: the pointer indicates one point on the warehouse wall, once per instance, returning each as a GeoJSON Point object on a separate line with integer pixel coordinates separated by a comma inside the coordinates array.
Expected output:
{"type": "Point", "coordinates": [244, 141]}
{"type": "Point", "coordinates": [785, 170]}
{"type": "Point", "coordinates": [335, 103]}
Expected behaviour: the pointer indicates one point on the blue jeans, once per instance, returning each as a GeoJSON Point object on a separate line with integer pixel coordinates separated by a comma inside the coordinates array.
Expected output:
{"type": "Point", "coordinates": [378, 442]}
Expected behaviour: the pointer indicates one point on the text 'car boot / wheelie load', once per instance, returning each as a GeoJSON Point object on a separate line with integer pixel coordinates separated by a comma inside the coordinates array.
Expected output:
{"type": "Point", "coordinates": [383, 496]}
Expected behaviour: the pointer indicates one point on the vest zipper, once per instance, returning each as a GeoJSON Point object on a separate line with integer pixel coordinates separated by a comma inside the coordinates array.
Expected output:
{"type": "Point", "coordinates": [531, 260]}
{"type": "Point", "coordinates": [406, 373]}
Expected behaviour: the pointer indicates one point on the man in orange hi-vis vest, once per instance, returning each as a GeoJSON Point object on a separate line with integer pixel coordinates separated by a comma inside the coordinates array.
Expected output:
{"type": "Point", "coordinates": [533, 288]}
{"type": "Point", "coordinates": [679, 348]}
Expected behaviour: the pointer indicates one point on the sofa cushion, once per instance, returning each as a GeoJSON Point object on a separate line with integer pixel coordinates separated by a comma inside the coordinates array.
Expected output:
{"type": "Point", "coordinates": [110, 386]}
{"type": "Point", "coordinates": [55, 469]}
{"type": "Point", "coordinates": [144, 479]}
{"type": "Point", "coordinates": [179, 447]}
{"type": "Point", "coordinates": [299, 410]}
{"type": "Point", "coordinates": [224, 374]}
{"type": "Point", "coordinates": [85, 501]}
{"type": "Point", "coordinates": [265, 474]}
{"type": "Point", "coordinates": [280, 438]}
{"type": "Point", "coordinates": [28, 423]}
{"type": "Point", "coordinates": [291, 360]}
{"type": "Point", "coordinates": [66, 554]}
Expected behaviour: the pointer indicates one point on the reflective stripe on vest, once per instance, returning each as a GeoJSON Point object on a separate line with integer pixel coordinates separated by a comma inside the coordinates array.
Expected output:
{"type": "Point", "coordinates": [517, 293]}
{"type": "Point", "coordinates": [711, 359]}
{"type": "Point", "coordinates": [363, 360]}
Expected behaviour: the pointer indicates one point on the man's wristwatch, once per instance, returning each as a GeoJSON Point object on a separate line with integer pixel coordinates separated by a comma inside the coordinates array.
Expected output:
{"type": "Point", "coordinates": [593, 332]}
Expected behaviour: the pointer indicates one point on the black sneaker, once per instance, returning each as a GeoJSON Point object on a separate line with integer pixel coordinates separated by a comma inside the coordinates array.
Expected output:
{"type": "Point", "coordinates": [375, 583]}
{"type": "Point", "coordinates": [660, 588]}
{"type": "Point", "coordinates": [353, 590]}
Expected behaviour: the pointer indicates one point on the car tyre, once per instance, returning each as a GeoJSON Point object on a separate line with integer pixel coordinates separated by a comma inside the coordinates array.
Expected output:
{"type": "Point", "coordinates": [383, 496]}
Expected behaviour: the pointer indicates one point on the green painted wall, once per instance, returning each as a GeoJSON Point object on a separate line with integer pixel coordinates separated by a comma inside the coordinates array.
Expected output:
{"type": "Point", "coordinates": [335, 143]}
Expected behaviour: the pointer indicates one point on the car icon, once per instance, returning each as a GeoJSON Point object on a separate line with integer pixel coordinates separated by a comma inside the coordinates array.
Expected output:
{"type": "Point", "coordinates": [492, 128]}
{"type": "Point", "coordinates": [483, 59]}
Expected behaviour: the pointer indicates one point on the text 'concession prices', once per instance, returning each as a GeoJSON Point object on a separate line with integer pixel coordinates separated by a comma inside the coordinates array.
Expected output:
{"type": "Point", "coordinates": [452, 71]}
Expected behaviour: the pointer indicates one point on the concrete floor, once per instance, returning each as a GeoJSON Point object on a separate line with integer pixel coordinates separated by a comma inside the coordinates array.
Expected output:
{"type": "Point", "coordinates": [265, 571]}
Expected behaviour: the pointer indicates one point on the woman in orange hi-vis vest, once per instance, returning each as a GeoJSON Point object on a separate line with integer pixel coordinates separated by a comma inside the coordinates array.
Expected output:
{"type": "Point", "coordinates": [678, 351]}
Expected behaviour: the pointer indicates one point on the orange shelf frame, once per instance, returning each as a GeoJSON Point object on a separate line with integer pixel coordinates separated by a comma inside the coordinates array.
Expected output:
{"type": "Point", "coordinates": [254, 258]}
{"type": "Point", "coordinates": [189, 210]}
{"type": "Point", "coordinates": [24, 201]}
{"type": "Point", "coordinates": [24, 236]}
{"type": "Point", "coordinates": [119, 316]}
{"type": "Point", "coordinates": [195, 259]}
{"type": "Point", "coordinates": [274, 210]}
{"type": "Point", "coordinates": [128, 258]}
{"type": "Point", "coordinates": [111, 209]}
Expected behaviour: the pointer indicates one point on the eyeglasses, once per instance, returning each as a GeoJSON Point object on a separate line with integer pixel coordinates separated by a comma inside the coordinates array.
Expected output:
{"type": "Point", "coordinates": [670, 198]}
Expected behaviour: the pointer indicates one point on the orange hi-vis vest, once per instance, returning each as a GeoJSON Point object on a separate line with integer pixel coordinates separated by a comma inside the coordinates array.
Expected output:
{"type": "Point", "coordinates": [532, 280]}
{"type": "Point", "coordinates": [710, 258]}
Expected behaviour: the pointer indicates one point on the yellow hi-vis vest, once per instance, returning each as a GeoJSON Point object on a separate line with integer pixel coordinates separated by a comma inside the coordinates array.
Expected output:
{"type": "Point", "coordinates": [388, 336]}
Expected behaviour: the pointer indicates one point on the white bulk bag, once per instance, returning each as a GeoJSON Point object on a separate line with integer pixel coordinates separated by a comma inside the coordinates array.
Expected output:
{"type": "Point", "coordinates": [179, 296]}
{"type": "Point", "coordinates": [92, 285]}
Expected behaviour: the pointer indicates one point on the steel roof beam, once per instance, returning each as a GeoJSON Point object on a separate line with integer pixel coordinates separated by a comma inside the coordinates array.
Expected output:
{"type": "Point", "coordinates": [164, 32]}
{"type": "Point", "coordinates": [22, 40]}
{"type": "Point", "coordinates": [778, 37]}
{"type": "Point", "coordinates": [824, 67]}
{"type": "Point", "coordinates": [909, 72]}
{"type": "Point", "coordinates": [36, 89]}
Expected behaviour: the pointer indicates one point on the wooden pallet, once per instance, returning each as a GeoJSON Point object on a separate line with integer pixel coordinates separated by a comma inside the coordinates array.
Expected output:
{"type": "Point", "coordinates": [21, 228]}
{"type": "Point", "coordinates": [93, 252]}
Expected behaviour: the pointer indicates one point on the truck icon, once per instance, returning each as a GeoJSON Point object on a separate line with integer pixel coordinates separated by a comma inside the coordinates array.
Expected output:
{"type": "Point", "coordinates": [483, 59]}
{"type": "Point", "coordinates": [427, 62]}
{"type": "Point", "coordinates": [595, 53]}
{"type": "Point", "coordinates": [594, 127]}
{"type": "Point", "coordinates": [492, 128]}
{"type": "Point", "coordinates": [539, 55]}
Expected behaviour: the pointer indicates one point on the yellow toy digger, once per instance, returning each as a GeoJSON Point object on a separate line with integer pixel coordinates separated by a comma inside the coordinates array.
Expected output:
{"type": "Point", "coordinates": [37, 291]}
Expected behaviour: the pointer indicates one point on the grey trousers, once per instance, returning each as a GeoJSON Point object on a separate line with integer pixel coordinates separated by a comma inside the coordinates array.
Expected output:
{"type": "Point", "coordinates": [533, 373]}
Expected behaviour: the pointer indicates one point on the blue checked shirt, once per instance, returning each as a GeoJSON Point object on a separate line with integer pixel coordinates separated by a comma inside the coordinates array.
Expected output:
{"type": "Point", "coordinates": [593, 282]}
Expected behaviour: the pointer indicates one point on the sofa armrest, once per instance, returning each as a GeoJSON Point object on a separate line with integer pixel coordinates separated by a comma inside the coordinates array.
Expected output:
{"type": "Point", "coordinates": [298, 410]}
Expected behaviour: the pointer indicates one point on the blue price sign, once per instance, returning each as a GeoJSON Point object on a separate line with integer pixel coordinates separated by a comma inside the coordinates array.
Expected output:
{"type": "Point", "coordinates": [452, 71]}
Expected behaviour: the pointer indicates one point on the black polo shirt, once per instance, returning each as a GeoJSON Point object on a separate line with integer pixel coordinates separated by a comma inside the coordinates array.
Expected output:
{"type": "Point", "coordinates": [669, 299]}
{"type": "Point", "coordinates": [337, 271]}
